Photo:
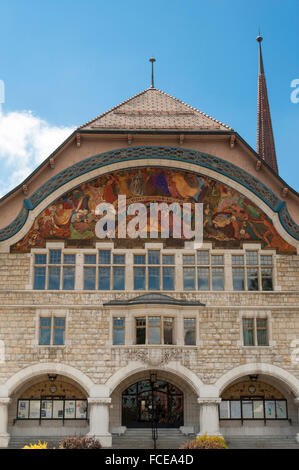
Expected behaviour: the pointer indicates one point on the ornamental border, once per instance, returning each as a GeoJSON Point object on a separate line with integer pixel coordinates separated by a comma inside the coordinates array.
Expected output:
{"type": "Point", "coordinates": [154, 152]}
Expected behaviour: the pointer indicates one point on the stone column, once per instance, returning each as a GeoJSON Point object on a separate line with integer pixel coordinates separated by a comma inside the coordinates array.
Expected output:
{"type": "Point", "coordinates": [296, 401]}
{"type": "Point", "coordinates": [99, 420]}
{"type": "Point", "coordinates": [4, 436]}
{"type": "Point", "coordinates": [209, 416]}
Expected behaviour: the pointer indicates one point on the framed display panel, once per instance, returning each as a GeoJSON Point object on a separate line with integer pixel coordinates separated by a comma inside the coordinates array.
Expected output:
{"type": "Point", "coordinates": [52, 408]}
{"type": "Point", "coordinates": [253, 409]}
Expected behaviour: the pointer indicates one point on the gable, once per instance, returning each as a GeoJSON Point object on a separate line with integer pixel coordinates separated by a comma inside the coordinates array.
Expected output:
{"type": "Point", "coordinates": [230, 218]}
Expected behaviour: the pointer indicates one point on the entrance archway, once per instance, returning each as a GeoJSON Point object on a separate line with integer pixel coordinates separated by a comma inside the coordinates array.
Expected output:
{"type": "Point", "coordinates": [143, 402]}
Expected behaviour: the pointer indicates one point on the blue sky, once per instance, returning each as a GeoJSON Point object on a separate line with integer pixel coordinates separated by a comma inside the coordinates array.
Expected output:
{"type": "Point", "coordinates": [65, 61]}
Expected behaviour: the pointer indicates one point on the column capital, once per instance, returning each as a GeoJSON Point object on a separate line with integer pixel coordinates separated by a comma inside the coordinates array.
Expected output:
{"type": "Point", "coordinates": [296, 401]}
{"type": "Point", "coordinates": [5, 401]}
{"type": "Point", "coordinates": [99, 400]}
{"type": "Point", "coordinates": [208, 401]}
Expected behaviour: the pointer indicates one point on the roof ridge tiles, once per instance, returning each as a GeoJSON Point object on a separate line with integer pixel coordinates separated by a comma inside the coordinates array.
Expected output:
{"type": "Point", "coordinates": [114, 108]}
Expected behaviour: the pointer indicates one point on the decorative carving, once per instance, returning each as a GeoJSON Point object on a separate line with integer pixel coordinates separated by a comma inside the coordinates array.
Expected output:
{"type": "Point", "coordinates": [232, 141]}
{"type": "Point", "coordinates": [155, 357]}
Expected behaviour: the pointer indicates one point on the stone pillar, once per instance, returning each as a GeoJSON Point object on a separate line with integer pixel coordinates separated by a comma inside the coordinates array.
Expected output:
{"type": "Point", "coordinates": [209, 416]}
{"type": "Point", "coordinates": [99, 420]}
{"type": "Point", "coordinates": [296, 401]}
{"type": "Point", "coordinates": [4, 436]}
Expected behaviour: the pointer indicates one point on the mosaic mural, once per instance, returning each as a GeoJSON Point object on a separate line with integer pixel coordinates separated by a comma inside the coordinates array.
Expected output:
{"type": "Point", "coordinates": [229, 217]}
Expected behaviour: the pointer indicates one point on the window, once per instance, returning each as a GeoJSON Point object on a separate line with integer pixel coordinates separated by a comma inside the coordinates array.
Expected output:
{"type": "Point", "coordinates": [255, 332]}
{"type": "Point", "coordinates": [118, 330]}
{"type": "Point", "coordinates": [140, 330]}
{"type": "Point", "coordinates": [51, 273]}
{"type": "Point", "coordinates": [252, 273]}
{"type": "Point", "coordinates": [104, 275]}
{"type": "Point", "coordinates": [154, 330]}
{"type": "Point", "coordinates": [207, 273]}
{"type": "Point", "coordinates": [153, 276]}
{"type": "Point", "coordinates": [253, 408]}
{"type": "Point", "coordinates": [189, 331]}
{"type": "Point", "coordinates": [52, 331]}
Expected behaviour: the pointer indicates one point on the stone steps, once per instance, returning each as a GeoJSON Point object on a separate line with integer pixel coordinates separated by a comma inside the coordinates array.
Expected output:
{"type": "Point", "coordinates": [167, 439]}
{"type": "Point", "coordinates": [142, 439]}
{"type": "Point", "coordinates": [262, 442]}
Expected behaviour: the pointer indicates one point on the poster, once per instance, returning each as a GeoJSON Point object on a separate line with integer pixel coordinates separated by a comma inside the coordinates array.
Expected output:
{"type": "Point", "coordinates": [46, 409]}
{"type": "Point", "coordinates": [235, 410]}
{"type": "Point", "coordinates": [69, 410]}
{"type": "Point", "coordinates": [57, 409]}
{"type": "Point", "coordinates": [281, 409]}
{"type": "Point", "coordinates": [247, 409]}
{"type": "Point", "coordinates": [81, 408]}
{"type": "Point", "coordinates": [258, 409]}
{"type": "Point", "coordinates": [23, 409]}
{"type": "Point", "coordinates": [270, 409]}
{"type": "Point", "coordinates": [34, 409]}
{"type": "Point", "coordinates": [224, 409]}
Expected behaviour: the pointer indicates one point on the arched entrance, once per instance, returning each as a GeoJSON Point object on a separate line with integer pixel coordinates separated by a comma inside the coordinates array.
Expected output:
{"type": "Point", "coordinates": [144, 401]}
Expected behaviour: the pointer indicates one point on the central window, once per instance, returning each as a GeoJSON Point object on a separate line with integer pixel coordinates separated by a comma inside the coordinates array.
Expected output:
{"type": "Point", "coordinates": [154, 330]}
{"type": "Point", "coordinates": [154, 273]}
{"type": "Point", "coordinates": [104, 272]}
{"type": "Point", "coordinates": [52, 331]}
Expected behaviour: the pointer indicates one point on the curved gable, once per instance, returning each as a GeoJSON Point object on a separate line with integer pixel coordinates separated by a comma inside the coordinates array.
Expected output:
{"type": "Point", "coordinates": [225, 171]}
{"type": "Point", "coordinates": [230, 217]}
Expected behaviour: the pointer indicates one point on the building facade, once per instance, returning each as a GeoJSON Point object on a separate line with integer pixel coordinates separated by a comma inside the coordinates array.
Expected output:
{"type": "Point", "coordinates": [87, 322]}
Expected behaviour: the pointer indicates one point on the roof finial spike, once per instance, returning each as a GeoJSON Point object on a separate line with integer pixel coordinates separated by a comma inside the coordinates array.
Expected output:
{"type": "Point", "coordinates": [261, 65]}
{"type": "Point", "coordinates": [152, 60]}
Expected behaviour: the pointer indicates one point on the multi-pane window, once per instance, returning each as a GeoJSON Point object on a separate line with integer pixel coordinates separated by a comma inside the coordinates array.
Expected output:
{"type": "Point", "coordinates": [189, 331]}
{"type": "Point", "coordinates": [104, 273]}
{"type": "Point", "coordinates": [252, 272]}
{"type": "Point", "coordinates": [253, 408]}
{"type": "Point", "coordinates": [255, 332]}
{"type": "Point", "coordinates": [154, 330]}
{"type": "Point", "coordinates": [118, 330]}
{"type": "Point", "coordinates": [204, 273]}
{"type": "Point", "coordinates": [152, 273]}
{"type": "Point", "coordinates": [52, 331]}
{"type": "Point", "coordinates": [54, 271]}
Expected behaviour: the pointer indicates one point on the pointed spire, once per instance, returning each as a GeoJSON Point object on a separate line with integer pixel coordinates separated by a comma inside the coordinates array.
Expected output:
{"type": "Point", "coordinates": [265, 137]}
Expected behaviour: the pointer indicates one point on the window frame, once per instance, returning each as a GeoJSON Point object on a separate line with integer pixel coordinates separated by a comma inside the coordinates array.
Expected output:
{"type": "Point", "coordinates": [40, 314]}
{"type": "Point", "coordinates": [264, 315]}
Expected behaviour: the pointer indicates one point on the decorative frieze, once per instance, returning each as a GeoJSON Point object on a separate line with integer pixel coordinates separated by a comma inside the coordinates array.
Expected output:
{"type": "Point", "coordinates": [154, 356]}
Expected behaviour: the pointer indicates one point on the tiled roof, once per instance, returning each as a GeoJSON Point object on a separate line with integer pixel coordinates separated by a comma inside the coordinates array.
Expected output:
{"type": "Point", "coordinates": [153, 109]}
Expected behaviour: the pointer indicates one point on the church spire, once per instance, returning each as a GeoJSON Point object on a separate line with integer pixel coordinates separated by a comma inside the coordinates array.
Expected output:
{"type": "Point", "coordinates": [265, 138]}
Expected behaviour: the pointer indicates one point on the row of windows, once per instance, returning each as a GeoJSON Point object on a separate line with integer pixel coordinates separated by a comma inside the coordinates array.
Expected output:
{"type": "Point", "coordinates": [52, 408]}
{"type": "Point", "coordinates": [153, 330]}
{"type": "Point", "coordinates": [257, 408]}
{"type": "Point", "coordinates": [152, 271]}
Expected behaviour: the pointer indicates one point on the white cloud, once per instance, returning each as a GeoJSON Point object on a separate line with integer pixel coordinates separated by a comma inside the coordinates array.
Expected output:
{"type": "Point", "coordinates": [25, 141]}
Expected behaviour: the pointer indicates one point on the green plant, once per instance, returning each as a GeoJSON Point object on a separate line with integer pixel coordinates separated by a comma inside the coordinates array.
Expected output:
{"type": "Point", "coordinates": [205, 442]}
{"type": "Point", "coordinates": [80, 442]}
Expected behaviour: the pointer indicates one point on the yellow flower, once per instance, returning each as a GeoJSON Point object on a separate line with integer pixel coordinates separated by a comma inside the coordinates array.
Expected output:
{"type": "Point", "coordinates": [40, 445]}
